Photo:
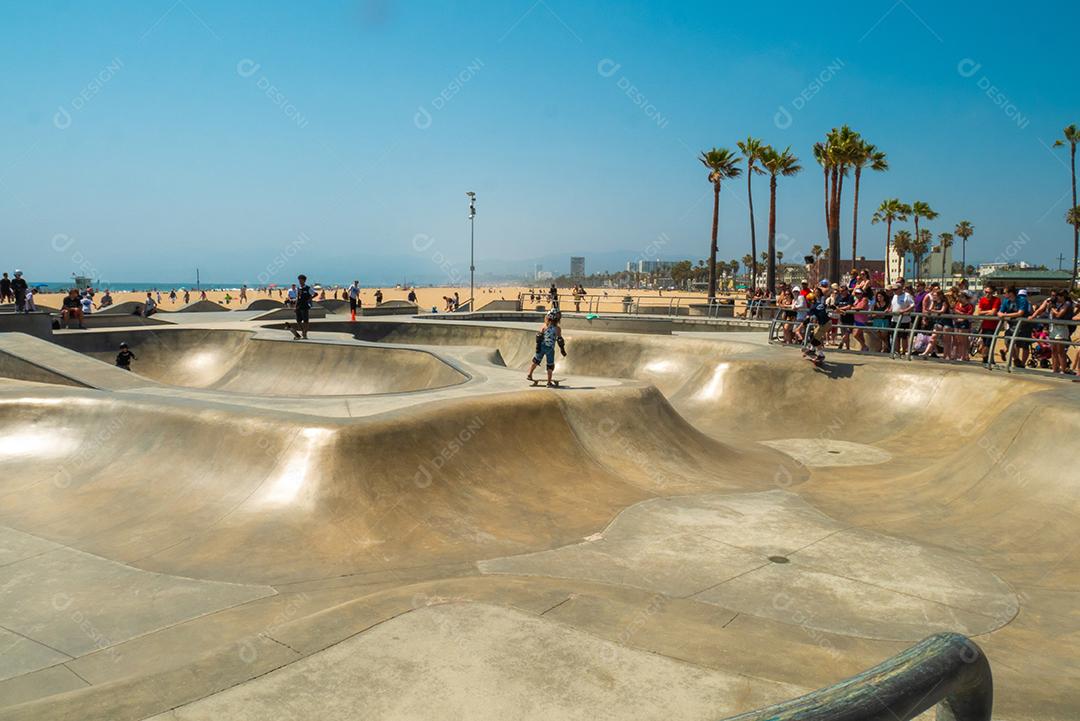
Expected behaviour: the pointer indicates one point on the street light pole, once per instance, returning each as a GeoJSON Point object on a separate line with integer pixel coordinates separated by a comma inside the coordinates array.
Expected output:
{"type": "Point", "coordinates": [472, 250]}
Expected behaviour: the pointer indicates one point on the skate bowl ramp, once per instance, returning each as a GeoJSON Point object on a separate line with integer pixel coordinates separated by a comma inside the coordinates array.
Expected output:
{"type": "Point", "coordinates": [235, 361]}
{"type": "Point", "coordinates": [691, 527]}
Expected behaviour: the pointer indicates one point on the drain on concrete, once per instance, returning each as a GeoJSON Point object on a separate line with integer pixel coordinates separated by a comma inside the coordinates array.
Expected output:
{"type": "Point", "coordinates": [779, 559]}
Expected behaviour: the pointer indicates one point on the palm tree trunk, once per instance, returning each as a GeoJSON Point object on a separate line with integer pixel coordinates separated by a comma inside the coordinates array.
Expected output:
{"type": "Point", "coordinates": [712, 246]}
{"type": "Point", "coordinates": [1076, 228]}
{"type": "Point", "coordinates": [855, 221]}
{"type": "Point", "coordinates": [753, 233]}
{"type": "Point", "coordinates": [770, 267]}
{"type": "Point", "coordinates": [963, 258]}
{"type": "Point", "coordinates": [943, 265]}
{"type": "Point", "coordinates": [888, 244]}
{"type": "Point", "coordinates": [917, 269]}
{"type": "Point", "coordinates": [834, 231]}
{"type": "Point", "coordinates": [828, 218]}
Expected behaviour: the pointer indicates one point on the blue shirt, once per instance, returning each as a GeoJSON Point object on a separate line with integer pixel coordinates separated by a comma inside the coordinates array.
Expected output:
{"type": "Point", "coordinates": [1020, 304]}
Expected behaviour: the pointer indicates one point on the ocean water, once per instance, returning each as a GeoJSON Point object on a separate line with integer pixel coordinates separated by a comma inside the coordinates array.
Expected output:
{"type": "Point", "coordinates": [121, 286]}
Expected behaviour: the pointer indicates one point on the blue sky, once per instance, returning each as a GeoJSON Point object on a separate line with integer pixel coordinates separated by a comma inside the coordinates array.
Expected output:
{"type": "Point", "coordinates": [139, 139]}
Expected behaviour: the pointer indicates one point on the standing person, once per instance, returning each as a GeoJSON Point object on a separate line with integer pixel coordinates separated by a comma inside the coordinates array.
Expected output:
{"type": "Point", "coordinates": [243, 293]}
{"type": "Point", "coordinates": [354, 298]}
{"type": "Point", "coordinates": [412, 295]}
{"type": "Point", "coordinates": [1061, 333]}
{"type": "Point", "coordinates": [553, 297]}
{"type": "Point", "coordinates": [860, 319]}
{"type": "Point", "coordinates": [989, 305]}
{"type": "Point", "coordinates": [304, 298]}
{"type": "Point", "coordinates": [457, 300]}
{"type": "Point", "coordinates": [379, 296]}
{"type": "Point", "coordinates": [845, 305]}
{"type": "Point", "coordinates": [18, 288]}
{"type": "Point", "coordinates": [1015, 308]}
{"type": "Point", "coordinates": [187, 296]}
{"type": "Point", "coordinates": [901, 306]}
{"type": "Point", "coordinates": [5, 289]}
{"type": "Point", "coordinates": [546, 340]}
{"type": "Point", "coordinates": [172, 295]}
{"type": "Point", "coordinates": [961, 344]}
{"type": "Point", "coordinates": [124, 357]}
{"type": "Point", "coordinates": [87, 304]}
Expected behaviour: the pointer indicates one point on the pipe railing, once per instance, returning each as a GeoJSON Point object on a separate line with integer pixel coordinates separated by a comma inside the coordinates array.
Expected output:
{"type": "Point", "coordinates": [650, 304]}
{"type": "Point", "coordinates": [946, 670]}
{"type": "Point", "coordinates": [790, 331]}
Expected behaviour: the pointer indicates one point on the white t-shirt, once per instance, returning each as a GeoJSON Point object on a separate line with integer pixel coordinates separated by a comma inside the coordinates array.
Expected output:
{"type": "Point", "coordinates": [902, 301]}
{"type": "Point", "coordinates": [354, 292]}
{"type": "Point", "coordinates": [798, 304]}
{"type": "Point", "coordinates": [87, 306]}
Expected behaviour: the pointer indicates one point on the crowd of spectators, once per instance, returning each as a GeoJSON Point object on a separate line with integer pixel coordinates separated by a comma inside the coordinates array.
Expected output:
{"type": "Point", "coordinates": [928, 321]}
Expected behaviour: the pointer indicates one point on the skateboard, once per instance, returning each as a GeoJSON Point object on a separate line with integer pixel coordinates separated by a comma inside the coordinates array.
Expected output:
{"type": "Point", "coordinates": [815, 360]}
{"type": "Point", "coordinates": [554, 381]}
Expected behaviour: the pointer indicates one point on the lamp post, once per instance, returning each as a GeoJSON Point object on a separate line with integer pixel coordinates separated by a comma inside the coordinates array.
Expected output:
{"type": "Point", "coordinates": [472, 249]}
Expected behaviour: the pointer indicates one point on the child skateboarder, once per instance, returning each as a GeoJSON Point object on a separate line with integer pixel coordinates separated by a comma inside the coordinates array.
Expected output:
{"type": "Point", "coordinates": [124, 357]}
{"type": "Point", "coordinates": [546, 340]}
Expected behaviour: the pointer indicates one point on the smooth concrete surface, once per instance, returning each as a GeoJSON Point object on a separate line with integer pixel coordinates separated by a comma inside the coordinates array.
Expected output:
{"type": "Point", "coordinates": [235, 531]}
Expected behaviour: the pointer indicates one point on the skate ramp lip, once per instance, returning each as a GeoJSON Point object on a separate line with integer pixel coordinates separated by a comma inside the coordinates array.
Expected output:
{"type": "Point", "coordinates": [247, 362]}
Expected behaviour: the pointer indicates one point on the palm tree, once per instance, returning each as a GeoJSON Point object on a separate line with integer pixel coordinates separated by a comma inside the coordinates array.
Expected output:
{"type": "Point", "coordinates": [1072, 136]}
{"type": "Point", "coordinates": [749, 263]}
{"type": "Point", "coordinates": [865, 155]}
{"type": "Point", "coordinates": [1072, 217]}
{"type": "Point", "coordinates": [816, 251]}
{"type": "Point", "coordinates": [946, 240]}
{"type": "Point", "coordinates": [890, 211]}
{"type": "Point", "coordinates": [902, 244]}
{"type": "Point", "coordinates": [835, 155]}
{"type": "Point", "coordinates": [919, 246]}
{"type": "Point", "coordinates": [964, 230]}
{"type": "Point", "coordinates": [779, 256]}
{"type": "Point", "coordinates": [919, 209]}
{"type": "Point", "coordinates": [776, 164]}
{"type": "Point", "coordinates": [722, 164]}
{"type": "Point", "coordinates": [751, 149]}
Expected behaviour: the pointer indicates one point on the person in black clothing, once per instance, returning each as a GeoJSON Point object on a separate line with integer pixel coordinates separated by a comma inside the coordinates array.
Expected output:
{"type": "Point", "coordinates": [304, 298]}
{"type": "Point", "coordinates": [378, 297]}
{"type": "Point", "coordinates": [124, 357]}
{"type": "Point", "coordinates": [412, 295]}
{"type": "Point", "coordinates": [5, 289]}
{"type": "Point", "coordinates": [18, 289]}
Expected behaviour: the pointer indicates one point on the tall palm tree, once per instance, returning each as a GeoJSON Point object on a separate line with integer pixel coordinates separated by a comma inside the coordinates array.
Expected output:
{"type": "Point", "coordinates": [1072, 136]}
{"type": "Point", "coordinates": [749, 263]}
{"type": "Point", "coordinates": [751, 149]}
{"type": "Point", "coordinates": [1072, 217]}
{"type": "Point", "coordinates": [864, 155]}
{"type": "Point", "coordinates": [919, 209]}
{"type": "Point", "coordinates": [964, 230]}
{"type": "Point", "coordinates": [722, 164]}
{"type": "Point", "coordinates": [817, 251]}
{"type": "Point", "coordinates": [891, 210]}
{"type": "Point", "coordinates": [903, 243]}
{"type": "Point", "coordinates": [946, 241]}
{"type": "Point", "coordinates": [776, 164]}
{"type": "Point", "coordinates": [836, 156]}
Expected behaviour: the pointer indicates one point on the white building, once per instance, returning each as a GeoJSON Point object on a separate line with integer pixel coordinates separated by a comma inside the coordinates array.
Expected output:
{"type": "Point", "coordinates": [931, 264]}
{"type": "Point", "coordinates": [897, 267]}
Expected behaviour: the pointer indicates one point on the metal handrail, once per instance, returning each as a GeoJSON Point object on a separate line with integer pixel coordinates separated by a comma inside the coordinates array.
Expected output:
{"type": "Point", "coordinates": [946, 669]}
{"type": "Point", "coordinates": [630, 304]}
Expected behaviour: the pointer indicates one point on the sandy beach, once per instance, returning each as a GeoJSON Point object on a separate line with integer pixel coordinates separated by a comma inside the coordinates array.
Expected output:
{"type": "Point", "coordinates": [611, 298]}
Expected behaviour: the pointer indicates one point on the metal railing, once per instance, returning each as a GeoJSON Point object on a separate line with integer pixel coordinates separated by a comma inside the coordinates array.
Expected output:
{"type": "Point", "coordinates": [897, 335]}
{"type": "Point", "coordinates": [946, 669]}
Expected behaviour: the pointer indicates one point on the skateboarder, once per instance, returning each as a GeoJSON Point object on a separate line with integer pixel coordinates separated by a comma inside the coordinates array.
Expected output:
{"type": "Point", "coordinates": [546, 340]}
{"type": "Point", "coordinates": [818, 309]}
{"type": "Point", "coordinates": [304, 298]}
{"type": "Point", "coordinates": [124, 357]}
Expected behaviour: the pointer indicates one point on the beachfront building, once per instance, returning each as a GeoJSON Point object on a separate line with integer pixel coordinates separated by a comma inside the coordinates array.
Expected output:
{"type": "Point", "coordinates": [930, 267]}
{"type": "Point", "coordinates": [897, 267]}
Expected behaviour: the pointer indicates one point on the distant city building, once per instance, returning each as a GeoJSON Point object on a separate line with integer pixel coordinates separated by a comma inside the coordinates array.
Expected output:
{"type": "Point", "coordinates": [648, 267]}
{"type": "Point", "coordinates": [985, 269]}
{"type": "Point", "coordinates": [897, 267]}
{"type": "Point", "coordinates": [577, 266]}
{"type": "Point", "coordinates": [537, 270]}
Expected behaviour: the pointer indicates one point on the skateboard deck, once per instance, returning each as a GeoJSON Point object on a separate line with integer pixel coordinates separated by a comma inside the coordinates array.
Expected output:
{"type": "Point", "coordinates": [554, 381]}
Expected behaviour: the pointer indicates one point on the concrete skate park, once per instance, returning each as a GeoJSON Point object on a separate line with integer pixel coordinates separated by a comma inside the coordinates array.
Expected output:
{"type": "Point", "coordinates": [386, 522]}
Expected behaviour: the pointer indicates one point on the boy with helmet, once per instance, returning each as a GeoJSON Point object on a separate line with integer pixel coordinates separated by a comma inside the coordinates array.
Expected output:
{"type": "Point", "coordinates": [818, 309]}
{"type": "Point", "coordinates": [546, 340]}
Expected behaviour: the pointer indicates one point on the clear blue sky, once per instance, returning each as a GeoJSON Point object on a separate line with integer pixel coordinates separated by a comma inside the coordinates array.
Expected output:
{"type": "Point", "coordinates": [139, 139]}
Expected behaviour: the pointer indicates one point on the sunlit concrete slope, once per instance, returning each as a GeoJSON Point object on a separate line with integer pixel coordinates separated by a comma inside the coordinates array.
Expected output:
{"type": "Point", "coordinates": [234, 361]}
